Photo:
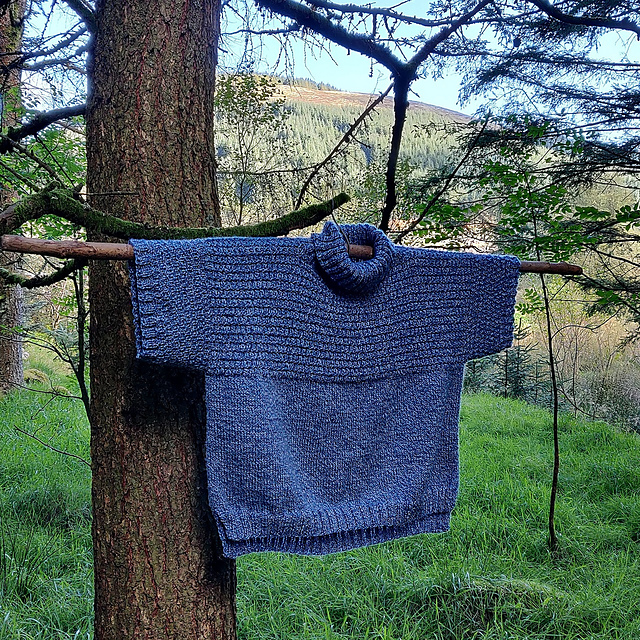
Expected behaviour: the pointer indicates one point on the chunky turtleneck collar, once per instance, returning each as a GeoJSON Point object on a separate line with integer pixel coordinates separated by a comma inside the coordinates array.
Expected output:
{"type": "Point", "coordinates": [354, 276]}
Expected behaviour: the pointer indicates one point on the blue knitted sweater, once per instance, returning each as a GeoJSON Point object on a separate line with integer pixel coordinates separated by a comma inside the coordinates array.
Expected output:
{"type": "Point", "coordinates": [332, 385]}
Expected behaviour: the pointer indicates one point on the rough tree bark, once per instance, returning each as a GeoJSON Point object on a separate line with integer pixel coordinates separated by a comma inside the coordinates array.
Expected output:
{"type": "Point", "coordinates": [11, 296]}
{"type": "Point", "coordinates": [158, 572]}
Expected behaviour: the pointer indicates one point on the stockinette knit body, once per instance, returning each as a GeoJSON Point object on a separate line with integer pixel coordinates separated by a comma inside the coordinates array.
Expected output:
{"type": "Point", "coordinates": [332, 385]}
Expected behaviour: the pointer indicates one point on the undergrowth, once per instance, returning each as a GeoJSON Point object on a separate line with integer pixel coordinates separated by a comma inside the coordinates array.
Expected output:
{"type": "Point", "coordinates": [490, 577]}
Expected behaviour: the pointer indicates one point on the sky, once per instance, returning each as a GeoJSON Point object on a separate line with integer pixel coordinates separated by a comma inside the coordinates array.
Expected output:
{"type": "Point", "coordinates": [353, 72]}
{"type": "Point", "coordinates": [347, 71]}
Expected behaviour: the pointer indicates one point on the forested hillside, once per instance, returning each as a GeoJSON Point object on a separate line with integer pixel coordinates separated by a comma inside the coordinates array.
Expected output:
{"type": "Point", "coordinates": [271, 135]}
{"type": "Point", "coordinates": [277, 137]}
{"type": "Point", "coordinates": [319, 117]}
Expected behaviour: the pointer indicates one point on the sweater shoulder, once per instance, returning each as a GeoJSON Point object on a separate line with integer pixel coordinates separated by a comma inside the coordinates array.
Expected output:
{"type": "Point", "coordinates": [263, 306]}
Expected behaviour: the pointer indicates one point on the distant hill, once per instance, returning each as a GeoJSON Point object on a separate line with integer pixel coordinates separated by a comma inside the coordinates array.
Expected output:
{"type": "Point", "coordinates": [336, 98]}
{"type": "Point", "coordinates": [319, 117]}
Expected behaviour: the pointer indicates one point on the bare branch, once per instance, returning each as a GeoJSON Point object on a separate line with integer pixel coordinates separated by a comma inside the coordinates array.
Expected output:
{"type": "Point", "coordinates": [449, 179]}
{"type": "Point", "coordinates": [42, 53]}
{"type": "Point", "coordinates": [402, 84]}
{"type": "Point", "coordinates": [19, 177]}
{"type": "Point", "coordinates": [60, 166]}
{"type": "Point", "coordinates": [29, 154]}
{"type": "Point", "coordinates": [265, 32]}
{"type": "Point", "coordinates": [429, 47]}
{"type": "Point", "coordinates": [85, 12]}
{"type": "Point", "coordinates": [59, 62]}
{"type": "Point", "coordinates": [319, 24]}
{"type": "Point", "coordinates": [378, 11]}
{"type": "Point", "coordinates": [51, 448]}
{"type": "Point", "coordinates": [345, 138]}
{"type": "Point", "coordinates": [586, 21]}
{"type": "Point", "coordinates": [42, 281]}
{"type": "Point", "coordinates": [39, 122]}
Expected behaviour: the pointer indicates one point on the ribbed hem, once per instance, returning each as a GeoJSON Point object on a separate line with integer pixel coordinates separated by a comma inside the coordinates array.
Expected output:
{"type": "Point", "coordinates": [334, 542]}
{"type": "Point", "coordinates": [335, 529]}
{"type": "Point", "coordinates": [354, 276]}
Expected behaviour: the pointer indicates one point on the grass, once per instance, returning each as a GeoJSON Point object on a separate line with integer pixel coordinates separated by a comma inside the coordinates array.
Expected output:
{"type": "Point", "coordinates": [490, 577]}
{"type": "Point", "coordinates": [45, 515]}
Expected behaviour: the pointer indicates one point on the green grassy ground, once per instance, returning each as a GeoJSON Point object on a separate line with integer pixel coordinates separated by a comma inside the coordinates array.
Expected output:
{"type": "Point", "coordinates": [45, 516]}
{"type": "Point", "coordinates": [490, 577]}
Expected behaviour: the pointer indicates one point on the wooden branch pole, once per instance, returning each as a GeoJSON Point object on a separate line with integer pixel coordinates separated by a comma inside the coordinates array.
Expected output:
{"type": "Point", "coordinates": [67, 248]}
{"type": "Point", "coordinates": [115, 251]}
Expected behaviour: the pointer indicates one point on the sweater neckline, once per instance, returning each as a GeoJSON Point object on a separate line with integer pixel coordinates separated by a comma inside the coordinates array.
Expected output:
{"type": "Point", "coordinates": [354, 276]}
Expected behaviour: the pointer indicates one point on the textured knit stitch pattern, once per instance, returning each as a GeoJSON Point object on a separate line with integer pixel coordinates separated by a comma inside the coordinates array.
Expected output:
{"type": "Point", "coordinates": [332, 385]}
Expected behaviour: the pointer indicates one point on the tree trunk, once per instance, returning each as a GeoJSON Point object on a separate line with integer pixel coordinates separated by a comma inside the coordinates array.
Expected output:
{"type": "Point", "coordinates": [11, 318]}
{"type": "Point", "coordinates": [158, 568]}
{"type": "Point", "coordinates": [11, 296]}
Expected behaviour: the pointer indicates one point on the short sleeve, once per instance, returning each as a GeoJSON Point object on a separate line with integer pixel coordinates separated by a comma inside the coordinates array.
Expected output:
{"type": "Point", "coordinates": [264, 306]}
{"type": "Point", "coordinates": [164, 295]}
{"type": "Point", "coordinates": [490, 308]}
{"type": "Point", "coordinates": [223, 305]}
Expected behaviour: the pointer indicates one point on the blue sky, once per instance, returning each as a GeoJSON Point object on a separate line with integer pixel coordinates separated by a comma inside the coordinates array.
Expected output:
{"type": "Point", "coordinates": [352, 72]}
{"type": "Point", "coordinates": [348, 72]}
